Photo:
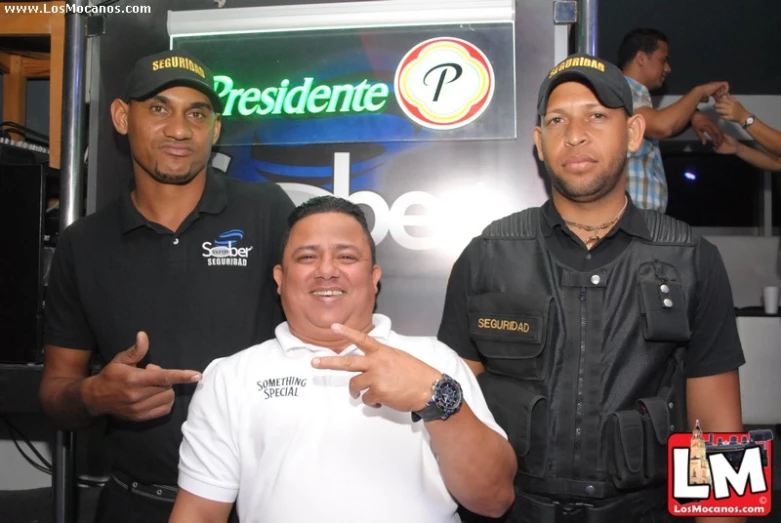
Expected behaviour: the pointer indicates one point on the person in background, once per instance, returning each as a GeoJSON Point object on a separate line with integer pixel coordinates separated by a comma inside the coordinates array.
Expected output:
{"type": "Point", "coordinates": [643, 56]}
{"type": "Point", "coordinates": [729, 108]}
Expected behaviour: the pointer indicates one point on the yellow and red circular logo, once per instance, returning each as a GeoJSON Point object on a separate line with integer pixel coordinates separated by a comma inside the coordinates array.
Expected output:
{"type": "Point", "coordinates": [444, 83]}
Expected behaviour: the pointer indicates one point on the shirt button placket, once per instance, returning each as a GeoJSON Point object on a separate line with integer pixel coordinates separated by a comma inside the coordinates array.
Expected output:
{"type": "Point", "coordinates": [177, 256]}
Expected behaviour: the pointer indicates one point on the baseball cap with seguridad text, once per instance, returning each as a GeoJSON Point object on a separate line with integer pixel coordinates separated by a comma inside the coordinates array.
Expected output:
{"type": "Point", "coordinates": [605, 79]}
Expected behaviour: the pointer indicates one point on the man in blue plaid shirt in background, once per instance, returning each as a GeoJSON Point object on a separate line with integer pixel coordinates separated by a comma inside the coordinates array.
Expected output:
{"type": "Point", "coordinates": [643, 58]}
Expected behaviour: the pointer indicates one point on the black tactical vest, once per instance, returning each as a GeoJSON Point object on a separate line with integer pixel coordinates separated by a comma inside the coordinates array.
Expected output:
{"type": "Point", "coordinates": [583, 369]}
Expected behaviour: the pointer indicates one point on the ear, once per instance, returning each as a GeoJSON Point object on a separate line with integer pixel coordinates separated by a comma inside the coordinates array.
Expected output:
{"type": "Point", "coordinates": [278, 273]}
{"type": "Point", "coordinates": [119, 115]}
{"type": "Point", "coordinates": [538, 142]}
{"type": "Point", "coordinates": [376, 275]}
{"type": "Point", "coordinates": [217, 127]}
{"type": "Point", "coordinates": [635, 131]}
{"type": "Point", "coordinates": [641, 58]}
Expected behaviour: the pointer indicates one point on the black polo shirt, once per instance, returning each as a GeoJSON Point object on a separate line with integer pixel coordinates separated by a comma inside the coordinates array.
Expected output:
{"type": "Point", "coordinates": [714, 347]}
{"type": "Point", "coordinates": [200, 293]}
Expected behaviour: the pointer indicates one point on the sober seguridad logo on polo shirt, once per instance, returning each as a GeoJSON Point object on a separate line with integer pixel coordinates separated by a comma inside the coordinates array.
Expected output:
{"type": "Point", "coordinates": [225, 249]}
{"type": "Point", "coordinates": [444, 83]}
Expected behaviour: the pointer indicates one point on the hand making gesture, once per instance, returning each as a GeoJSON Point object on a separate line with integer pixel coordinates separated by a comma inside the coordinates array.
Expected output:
{"type": "Point", "coordinates": [390, 377]}
{"type": "Point", "coordinates": [122, 389]}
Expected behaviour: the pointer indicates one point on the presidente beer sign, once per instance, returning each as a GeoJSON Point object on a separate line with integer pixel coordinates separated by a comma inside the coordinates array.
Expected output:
{"type": "Point", "coordinates": [452, 82]}
{"type": "Point", "coordinates": [303, 99]}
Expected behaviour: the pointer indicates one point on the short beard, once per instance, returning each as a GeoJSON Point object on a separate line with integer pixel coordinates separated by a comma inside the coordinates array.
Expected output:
{"type": "Point", "coordinates": [173, 179]}
{"type": "Point", "coordinates": [601, 185]}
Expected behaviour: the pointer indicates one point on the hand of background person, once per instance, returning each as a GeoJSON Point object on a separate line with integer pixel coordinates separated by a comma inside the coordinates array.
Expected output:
{"type": "Point", "coordinates": [714, 89]}
{"type": "Point", "coordinates": [703, 126]}
{"type": "Point", "coordinates": [728, 146]}
{"type": "Point", "coordinates": [123, 390]}
{"type": "Point", "coordinates": [729, 108]}
{"type": "Point", "coordinates": [389, 376]}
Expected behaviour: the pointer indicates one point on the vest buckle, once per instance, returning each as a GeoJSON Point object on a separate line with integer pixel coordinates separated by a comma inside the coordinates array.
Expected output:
{"type": "Point", "coordinates": [571, 511]}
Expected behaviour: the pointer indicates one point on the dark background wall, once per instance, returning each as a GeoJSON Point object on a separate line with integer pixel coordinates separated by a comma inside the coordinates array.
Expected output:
{"type": "Point", "coordinates": [736, 41]}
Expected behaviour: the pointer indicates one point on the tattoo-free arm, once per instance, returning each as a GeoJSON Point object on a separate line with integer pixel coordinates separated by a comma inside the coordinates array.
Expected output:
{"type": "Point", "coordinates": [62, 387]}
{"type": "Point", "coordinates": [190, 508]}
{"type": "Point", "coordinates": [715, 402]}
{"type": "Point", "coordinates": [671, 120]}
{"type": "Point", "coordinates": [757, 158]}
{"type": "Point", "coordinates": [765, 136]}
{"type": "Point", "coordinates": [484, 484]}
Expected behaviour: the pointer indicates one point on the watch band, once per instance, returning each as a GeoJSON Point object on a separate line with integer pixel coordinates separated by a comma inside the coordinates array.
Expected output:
{"type": "Point", "coordinates": [429, 413]}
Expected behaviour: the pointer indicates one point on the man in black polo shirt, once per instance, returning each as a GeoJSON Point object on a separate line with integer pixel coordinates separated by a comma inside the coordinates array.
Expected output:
{"type": "Point", "coordinates": [587, 319]}
{"type": "Point", "coordinates": [175, 273]}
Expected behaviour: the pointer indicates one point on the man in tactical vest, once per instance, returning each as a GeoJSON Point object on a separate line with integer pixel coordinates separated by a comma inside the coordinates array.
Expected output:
{"type": "Point", "coordinates": [594, 327]}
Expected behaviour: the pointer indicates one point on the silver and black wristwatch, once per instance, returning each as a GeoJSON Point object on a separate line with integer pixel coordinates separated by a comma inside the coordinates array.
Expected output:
{"type": "Point", "coordinates": [446, 400]}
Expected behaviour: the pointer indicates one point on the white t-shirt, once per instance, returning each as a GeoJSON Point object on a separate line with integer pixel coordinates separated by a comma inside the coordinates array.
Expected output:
{"type": "Point", "coordinates": [290, 443]}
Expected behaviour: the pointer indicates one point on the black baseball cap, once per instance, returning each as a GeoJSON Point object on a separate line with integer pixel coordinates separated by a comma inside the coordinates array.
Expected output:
{"type": "Point", "coordinates": [606, 80]}
{"type": "Point", "coordinates": [151, 74]}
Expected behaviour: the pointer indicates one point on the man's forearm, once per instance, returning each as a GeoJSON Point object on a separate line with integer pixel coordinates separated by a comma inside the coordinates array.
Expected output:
{"type": "Point", "coordinates": [765, 136]}
{"type": "Point", "coordinates": [477, 464]}
{"type": "Point", "coordinates": [676, 117]}
{"type": "Point", "coordinates": [190, 508]}
{"type": "Point", "coordinates": [192, 515]}
{"type": "Point", "coordinates": [62, 400]}
{"type": "Point", "coordinates": [759, 159]}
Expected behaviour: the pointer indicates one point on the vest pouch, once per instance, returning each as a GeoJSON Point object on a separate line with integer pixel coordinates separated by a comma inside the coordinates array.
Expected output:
{"type": "Point", "coordinates": [510, 331]}
{"type": "Point", "coordinates": [523, 415]}
{"type": "Point", "coordinates": [656, 412]}
{"type": "Point", "coordinates": [638, 439]}
{"type": "Point", "coordinates": [662, 306]}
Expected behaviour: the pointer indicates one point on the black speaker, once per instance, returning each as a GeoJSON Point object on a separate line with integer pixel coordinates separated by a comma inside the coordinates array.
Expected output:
{"type": "Point", "coordinates": [22, 199]}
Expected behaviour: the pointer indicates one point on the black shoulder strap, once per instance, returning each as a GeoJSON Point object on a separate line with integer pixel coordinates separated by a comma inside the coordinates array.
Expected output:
{"type": "Point", "coordinates": [665, 229]}
{"type": "Point", "coordinates": [520, 225]}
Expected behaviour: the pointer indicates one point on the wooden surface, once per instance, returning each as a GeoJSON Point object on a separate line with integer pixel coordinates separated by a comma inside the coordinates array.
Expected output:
{"type": "Point", "coordinates": [17, 66]}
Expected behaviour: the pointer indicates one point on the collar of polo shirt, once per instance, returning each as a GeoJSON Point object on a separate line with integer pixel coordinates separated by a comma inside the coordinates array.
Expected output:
{"type": "Point", "coordinates": [290, 344]}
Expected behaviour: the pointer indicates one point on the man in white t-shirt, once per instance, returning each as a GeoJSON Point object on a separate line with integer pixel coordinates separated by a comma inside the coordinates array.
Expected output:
{"type": "Point", "coordinates": [336, 418]}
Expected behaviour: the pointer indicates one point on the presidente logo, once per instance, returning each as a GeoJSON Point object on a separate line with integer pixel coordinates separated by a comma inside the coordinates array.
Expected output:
{"type": "Point", "coordinates": [720, 474]}
{"type": "Point", "coordinates": [444, 83]}
{"type": "Point", "coordinates": [306, 98]}
{"type": "Point", "coordinates": [223, 250]}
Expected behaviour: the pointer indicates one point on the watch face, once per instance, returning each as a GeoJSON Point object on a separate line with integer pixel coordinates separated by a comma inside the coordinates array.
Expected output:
{"type": "Point", "coordinates": [448, 395]}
